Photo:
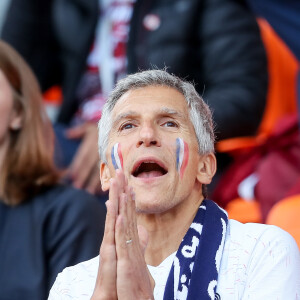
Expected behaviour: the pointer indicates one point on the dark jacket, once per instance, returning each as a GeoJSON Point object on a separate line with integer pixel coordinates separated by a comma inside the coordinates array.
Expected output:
{"type": "Point", "coordinates": [41, 237]}
{"type": "Point", "coordinates": [284, 17]}
{"type": "Point", "coordinates": [214, 43]}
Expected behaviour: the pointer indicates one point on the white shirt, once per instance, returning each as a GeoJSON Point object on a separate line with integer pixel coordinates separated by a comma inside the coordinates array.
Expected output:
{"type": "Point", "coordinates": [259, 262]}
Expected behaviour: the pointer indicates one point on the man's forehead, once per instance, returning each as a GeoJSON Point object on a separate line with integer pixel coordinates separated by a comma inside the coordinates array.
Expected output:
{"type": "Point", "coordinates": [163, 99]}
{"type": "Point", "coordinates": [162, 111]}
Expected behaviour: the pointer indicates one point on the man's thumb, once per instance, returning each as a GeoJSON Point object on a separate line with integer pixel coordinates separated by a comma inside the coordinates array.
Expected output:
{"type": "Point", "coordinates": [143, 237]}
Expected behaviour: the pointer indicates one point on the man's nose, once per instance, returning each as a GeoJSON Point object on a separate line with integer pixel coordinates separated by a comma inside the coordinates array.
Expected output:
{"type": "Point", "coordinates": [148, 136]}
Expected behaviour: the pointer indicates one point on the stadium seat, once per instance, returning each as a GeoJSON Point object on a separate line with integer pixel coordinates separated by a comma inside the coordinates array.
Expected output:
{"type": "Point", "coordinates": [244, 211]}
{"type": "Point", "coordinates": [285, 214]}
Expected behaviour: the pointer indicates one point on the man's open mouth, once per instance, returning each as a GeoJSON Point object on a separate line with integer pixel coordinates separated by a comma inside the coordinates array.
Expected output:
{"type": "Point", "coordinates": [148, 169]}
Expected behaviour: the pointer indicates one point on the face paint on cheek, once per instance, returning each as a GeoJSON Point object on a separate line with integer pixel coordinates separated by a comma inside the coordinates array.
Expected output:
{"type": "Point", "coordinates": [116, 156]}
{"type": "Point", "coordinates": [182, 155]}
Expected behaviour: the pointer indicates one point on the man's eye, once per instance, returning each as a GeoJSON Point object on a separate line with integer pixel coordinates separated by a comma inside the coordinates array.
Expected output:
{"type": "Point", "coordinates": [127, 126]}
{"type": "Point", "coordinates": [170, 124]}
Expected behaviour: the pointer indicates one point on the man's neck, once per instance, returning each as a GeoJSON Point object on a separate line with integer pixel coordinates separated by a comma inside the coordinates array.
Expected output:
{"type": "Point", "coordinates": [167, 230]}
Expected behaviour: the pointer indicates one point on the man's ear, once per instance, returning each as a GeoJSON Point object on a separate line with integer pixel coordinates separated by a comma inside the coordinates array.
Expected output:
{"type": "Point", "coordinates": [105, 176]}
{"type": "Point", "coordinates": [207, 167]}
{"type": "Point", "coordinates": [16, 121]}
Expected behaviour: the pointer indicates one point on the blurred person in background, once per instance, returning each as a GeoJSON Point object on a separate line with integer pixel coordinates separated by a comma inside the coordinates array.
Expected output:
{"type": "Point", "coordinates": [284, 17]}
{"type": "Point", "coordinates": [3, 9]}
{"type": "Point", "coordinates": [85, 46]}
{"type": "Point", "coordinates": [44, 226]}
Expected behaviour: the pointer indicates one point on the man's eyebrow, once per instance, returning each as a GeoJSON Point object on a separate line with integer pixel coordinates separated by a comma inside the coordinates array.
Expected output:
{"type": "Point", "coordinates": [172, 112]}
{"type": "Point", "coordinates": [125, 115]}
{"type": "Point", "coordinates": [162, 111]}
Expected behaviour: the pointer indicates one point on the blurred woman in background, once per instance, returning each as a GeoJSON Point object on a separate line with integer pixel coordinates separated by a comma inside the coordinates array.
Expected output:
{"type": "Point", "coordinates": [44, 226]}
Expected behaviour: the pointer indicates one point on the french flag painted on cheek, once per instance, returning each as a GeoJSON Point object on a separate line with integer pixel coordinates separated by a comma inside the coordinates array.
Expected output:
{"type": "Point", "coordinates": [182, 155]}
{"type": "Point", "coordinates": [116, 156]}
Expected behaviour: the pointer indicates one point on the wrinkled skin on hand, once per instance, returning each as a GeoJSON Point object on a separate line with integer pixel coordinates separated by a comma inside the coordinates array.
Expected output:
{"type": "Point", "coordinates": [122, 273]}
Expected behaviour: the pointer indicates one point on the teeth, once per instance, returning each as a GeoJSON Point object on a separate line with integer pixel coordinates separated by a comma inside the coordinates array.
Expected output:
{"type": "Point", "coordinates": [142, 168]}
{"type": "Point", "coordinates": [137, 169]}
{"type": "Point", "coordinates": [144, 162]}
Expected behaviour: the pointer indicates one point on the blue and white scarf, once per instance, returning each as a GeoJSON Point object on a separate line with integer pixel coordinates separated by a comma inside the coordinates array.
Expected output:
{"type": "Point", "coordinates": [194, 273]}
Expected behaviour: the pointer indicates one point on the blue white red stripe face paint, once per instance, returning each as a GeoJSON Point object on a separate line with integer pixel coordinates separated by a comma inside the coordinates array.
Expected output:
{"type": "Point", "coordinates": [116, 156]}
{"type": "Point", "coordinates": [182, 155]}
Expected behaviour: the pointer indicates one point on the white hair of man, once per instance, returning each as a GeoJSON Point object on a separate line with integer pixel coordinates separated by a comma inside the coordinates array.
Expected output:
{"type": "Point", "coordinates": [199, 111]}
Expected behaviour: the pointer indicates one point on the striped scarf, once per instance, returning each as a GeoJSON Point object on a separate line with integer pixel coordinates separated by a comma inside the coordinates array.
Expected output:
{"type": "Point", "coordinates": [194, 273]}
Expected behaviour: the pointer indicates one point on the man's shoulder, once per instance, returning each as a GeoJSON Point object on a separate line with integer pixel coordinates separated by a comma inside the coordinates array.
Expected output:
{"type": "Point", "coordinates": [76, 280]}
{"type": "Point", "coordinates": [253, 233]}
{"type": "Point", "coordinates": [251, 243]}
{"type": "Point", "coordinates": [259, 262]}
{"type": "Point", "coordinates": [83, 269]}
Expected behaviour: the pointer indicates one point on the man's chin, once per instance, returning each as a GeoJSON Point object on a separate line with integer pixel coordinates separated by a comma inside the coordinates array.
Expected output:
{"type": "Point", "coordinates": [150, 206]}
{"type": "Point", "coordinates": [151, 198]}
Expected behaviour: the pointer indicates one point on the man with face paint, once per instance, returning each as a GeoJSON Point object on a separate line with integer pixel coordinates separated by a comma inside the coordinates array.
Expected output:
{"type": "Point", "coordinates": [163, 239]}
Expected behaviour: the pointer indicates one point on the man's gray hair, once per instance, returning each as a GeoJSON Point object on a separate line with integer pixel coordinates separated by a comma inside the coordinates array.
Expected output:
{"type": "Point", "coordinates": [199, 111]}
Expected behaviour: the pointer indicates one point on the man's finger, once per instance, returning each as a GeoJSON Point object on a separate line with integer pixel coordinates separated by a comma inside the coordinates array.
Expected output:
{"type": "Point", "coordinates": [109, 229]}
{"type": "Point", "coordinates": [114, 193]}
{"type": "Point", "coordinates": [121, 243]}
{"type": "Point", "coordinates": [108, 259]}
{"type": "Point", "coordinates": [123, 212]}
{"type": "Point", "coordinates": [107, 271]}
{"type": "Point", "coordinates": [120, 177]}
{"type": "Point", "coordinates": [131, 214]}
{"type": "Point", "coordinates": [143, 237]}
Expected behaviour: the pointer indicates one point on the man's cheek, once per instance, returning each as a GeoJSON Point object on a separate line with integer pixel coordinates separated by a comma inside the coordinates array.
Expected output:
{"type": "Point", "coordinates": [182, 156]}
{"type": "Point", "coordinates": [116, 156]}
